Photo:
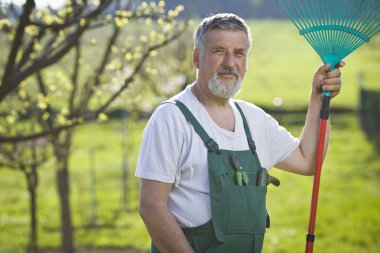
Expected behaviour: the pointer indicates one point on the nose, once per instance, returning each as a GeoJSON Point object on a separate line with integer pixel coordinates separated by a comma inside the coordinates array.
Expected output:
{"type": "Point", "coordinates": [229, 60]}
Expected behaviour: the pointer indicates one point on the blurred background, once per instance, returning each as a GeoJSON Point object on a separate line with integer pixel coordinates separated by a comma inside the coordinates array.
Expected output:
{"type": "Point", "coordinates": [79, 80]}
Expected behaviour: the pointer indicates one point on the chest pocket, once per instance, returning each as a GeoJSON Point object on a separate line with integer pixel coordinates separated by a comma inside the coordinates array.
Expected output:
{"type": "Point", "coordinates": [236, 208]}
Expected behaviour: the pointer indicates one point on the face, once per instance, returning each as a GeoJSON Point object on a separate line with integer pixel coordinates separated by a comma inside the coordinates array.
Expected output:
{"type": "Point", "coordinates": [223, 63]}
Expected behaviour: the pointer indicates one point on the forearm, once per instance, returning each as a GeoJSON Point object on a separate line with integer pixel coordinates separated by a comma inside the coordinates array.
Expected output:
{"type": "Point", "coordinates": [164, 230]}
{"type": "Point", "coordinates": [302, 160]}
{"type": "Point", "coordinates": [310, 134]}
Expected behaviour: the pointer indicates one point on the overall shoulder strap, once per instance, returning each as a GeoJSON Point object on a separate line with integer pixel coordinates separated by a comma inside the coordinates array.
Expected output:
{"type": "Point", "coordinates": [251, 143]}
{"type": "Point", "coordinates": [210, 144]}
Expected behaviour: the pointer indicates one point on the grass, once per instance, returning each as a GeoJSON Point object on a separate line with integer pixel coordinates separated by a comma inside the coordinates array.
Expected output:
{"type": "Point", "coordinates": [114, 224]}
{"type": "Point", "coordinates": [281, 65]}
{"type": "Point", "coordinates": [349, 202]}
{"type": "Point", "coordinates": [347, 215]}
{"type": "Point", "coordinates": [348, 219]}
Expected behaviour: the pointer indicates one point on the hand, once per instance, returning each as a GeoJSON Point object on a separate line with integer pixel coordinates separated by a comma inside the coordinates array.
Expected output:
{"type": "Point", "coordinates": [327, 80]}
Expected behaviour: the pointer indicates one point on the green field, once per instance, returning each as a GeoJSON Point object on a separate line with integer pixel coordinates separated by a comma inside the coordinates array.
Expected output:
{"type": "Point", "coordinates": [281, 65]}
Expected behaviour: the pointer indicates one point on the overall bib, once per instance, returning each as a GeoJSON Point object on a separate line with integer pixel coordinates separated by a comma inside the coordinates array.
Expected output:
{"type": "Point", "coordinates": [238, 205]}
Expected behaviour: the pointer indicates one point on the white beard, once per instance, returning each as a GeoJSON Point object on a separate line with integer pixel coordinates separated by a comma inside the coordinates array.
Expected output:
{"type": "Point", "coordinates": [222, 89]}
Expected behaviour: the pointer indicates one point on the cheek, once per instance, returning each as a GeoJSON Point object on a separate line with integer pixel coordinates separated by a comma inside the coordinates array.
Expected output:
{"type": "Point", "coordinates": [243, 68]}
{"type": "Point", "coordinates": [210, 65]}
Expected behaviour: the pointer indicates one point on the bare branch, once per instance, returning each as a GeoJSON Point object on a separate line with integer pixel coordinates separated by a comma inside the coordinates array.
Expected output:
{"type": "Point", "coordinates": [42, 87]}
{"type": "Point", "coordinates": [93, 14]}
{"type": "Point", "coordinates": [6, 84]}
{"type": "Point", "coordinates": [26, 54]}
{"type": "Point", "coordinates": [49, 49]}
{"type": "Point", "coordinates": [88, 91]}
{"type": "Point", "coordinates": [74, 78]}
{"type": "Point", "coordinates": [12, 161]}
{"type": "Point", "coordinates": [19, 138]}
{"type": "Point", "coordinates": [46, 61]}
{"type": "Point", "coordinates": [12, 77]}
{"type": "Point", "coordinates": [89, 116]}
{"type": "Point", "coordinates": [137, 69]}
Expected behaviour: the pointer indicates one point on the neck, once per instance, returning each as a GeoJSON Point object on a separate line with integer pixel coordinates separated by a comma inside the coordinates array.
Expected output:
{"type": "Point", "coordinates": [204, 95]}
{"type": "Point", "coordinates": [218, 108]}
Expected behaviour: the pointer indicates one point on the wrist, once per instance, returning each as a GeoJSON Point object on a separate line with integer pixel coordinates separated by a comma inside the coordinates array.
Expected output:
{"type": "Point", "coordinates": [316, 97]}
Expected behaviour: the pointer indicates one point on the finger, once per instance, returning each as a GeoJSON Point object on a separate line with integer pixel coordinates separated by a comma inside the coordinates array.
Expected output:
{"type": "Point", "coordinates": [332, 88]}
{"type": "Point", "coordinates": [331, 81]}
{"type": "Point", "coordinates": [333, 74]}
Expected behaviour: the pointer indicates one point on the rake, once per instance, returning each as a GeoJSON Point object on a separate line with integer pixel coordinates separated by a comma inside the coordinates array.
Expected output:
{"type": "Point", "coordinates": [334, 28]}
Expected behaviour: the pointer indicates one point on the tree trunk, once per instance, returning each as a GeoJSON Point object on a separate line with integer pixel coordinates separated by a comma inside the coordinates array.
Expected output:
{"type": "Point", "coordinates": [62, 149]}
{"type": "Point", "coordinates": [32, 186]}
{"type": "Point", "coordinates": [32, 183]}
{"type": "Point", "coordinates": [66, 226]}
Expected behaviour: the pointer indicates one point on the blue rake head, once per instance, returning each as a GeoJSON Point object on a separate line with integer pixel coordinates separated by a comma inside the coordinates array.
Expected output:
{"type": "Point", "coordinates": [334, 28]}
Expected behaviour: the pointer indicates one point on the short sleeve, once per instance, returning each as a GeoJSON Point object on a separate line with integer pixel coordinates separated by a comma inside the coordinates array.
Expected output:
{"type": "Point", "coordinates": [161, 145]}
{"type": "Point", "coordinates": [280, 142]}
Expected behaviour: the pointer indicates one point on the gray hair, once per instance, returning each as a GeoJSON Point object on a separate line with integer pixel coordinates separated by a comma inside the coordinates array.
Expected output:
{"type": "Point", "coordinates": [223, 21]}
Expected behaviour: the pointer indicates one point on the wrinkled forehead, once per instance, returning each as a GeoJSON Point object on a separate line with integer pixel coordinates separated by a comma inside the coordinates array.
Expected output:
{"type": "Point", "coordinates": [235, 39]}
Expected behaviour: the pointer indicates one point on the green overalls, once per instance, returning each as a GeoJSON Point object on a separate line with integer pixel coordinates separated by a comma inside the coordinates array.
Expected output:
{"type": "Point", "coordinates": [238, 205]}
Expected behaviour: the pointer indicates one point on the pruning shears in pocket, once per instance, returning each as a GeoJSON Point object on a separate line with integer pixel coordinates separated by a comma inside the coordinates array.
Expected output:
{"type": "Point", "coordinates": [240, 177]}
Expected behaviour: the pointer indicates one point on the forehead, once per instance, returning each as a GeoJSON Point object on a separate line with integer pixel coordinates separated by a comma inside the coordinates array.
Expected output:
{"type": "Point", "coordinates": [229, 38]}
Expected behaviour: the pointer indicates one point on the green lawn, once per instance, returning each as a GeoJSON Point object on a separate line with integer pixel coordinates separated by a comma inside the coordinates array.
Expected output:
{"type": "Point", "coordinates": [281, 65]}
{"type": "Point", "coordinates": [349, 199]}
{"type": "Point", "coordinates": [349, 204]}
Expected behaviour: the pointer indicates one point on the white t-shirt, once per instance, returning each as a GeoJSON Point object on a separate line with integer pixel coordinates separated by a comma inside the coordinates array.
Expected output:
{"type": "Point", "coordinates": [172, 152]}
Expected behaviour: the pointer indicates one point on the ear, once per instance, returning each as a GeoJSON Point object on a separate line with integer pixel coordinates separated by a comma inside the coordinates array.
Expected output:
{"type": "Point", "coordinates": [196, 56]}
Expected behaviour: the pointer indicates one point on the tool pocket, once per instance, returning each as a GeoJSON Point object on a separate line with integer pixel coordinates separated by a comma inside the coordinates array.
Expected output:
{"type": "Point", "coordinates": [245, 206]}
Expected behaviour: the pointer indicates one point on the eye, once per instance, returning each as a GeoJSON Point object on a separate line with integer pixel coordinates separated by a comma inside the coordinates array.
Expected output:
{"type": "Point", "coordinates": [240, 53]}
{"type": "Point", "coordinates": [218, 50]}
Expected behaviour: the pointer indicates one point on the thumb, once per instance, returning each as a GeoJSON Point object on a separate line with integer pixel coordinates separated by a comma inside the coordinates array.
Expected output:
{"type": "Point", "coordinates": [324, 69]}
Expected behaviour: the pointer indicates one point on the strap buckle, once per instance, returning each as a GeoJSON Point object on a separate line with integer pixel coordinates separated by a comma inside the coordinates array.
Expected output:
{"type": "Point", "coordinates": [212, 146]}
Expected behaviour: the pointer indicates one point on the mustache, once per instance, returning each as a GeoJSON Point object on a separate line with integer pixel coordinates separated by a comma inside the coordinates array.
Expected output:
{"type": "Point", "coordinates": [228, 71]}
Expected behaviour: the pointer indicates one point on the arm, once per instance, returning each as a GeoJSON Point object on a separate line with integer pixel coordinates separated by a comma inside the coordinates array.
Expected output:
{"type": "Point", "coordinates": [162, 226]}
{"type": "Point", "coordinates": [302, 159]}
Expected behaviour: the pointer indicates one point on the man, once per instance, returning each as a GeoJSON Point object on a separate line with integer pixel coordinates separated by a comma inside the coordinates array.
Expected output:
{"type": "Point", "coordinates": [202, 152]}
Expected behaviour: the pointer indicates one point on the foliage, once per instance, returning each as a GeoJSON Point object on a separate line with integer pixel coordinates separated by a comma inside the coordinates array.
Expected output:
{"type": "Point", "coordinates": [93, 71]}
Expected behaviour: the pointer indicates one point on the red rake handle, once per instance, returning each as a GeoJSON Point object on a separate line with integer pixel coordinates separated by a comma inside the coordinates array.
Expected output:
{"type": "Point", "coordinates": [317, 173]}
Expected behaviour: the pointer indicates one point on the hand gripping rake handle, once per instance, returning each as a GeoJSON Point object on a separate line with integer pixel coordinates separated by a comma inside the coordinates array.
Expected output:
{"type": "Point", "coordinates": [324, 116]}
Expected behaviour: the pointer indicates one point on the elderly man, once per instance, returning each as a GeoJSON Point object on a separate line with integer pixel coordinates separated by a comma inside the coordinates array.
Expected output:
{"type": "Point", "coordinates": [203, 153]}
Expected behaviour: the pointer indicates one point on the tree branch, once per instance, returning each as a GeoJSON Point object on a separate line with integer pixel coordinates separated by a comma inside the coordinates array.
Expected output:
{"type": "Point", "coordinates": [83, 116]}
{"type": "Point", "coordinates": [46, 61]}
{"type": "Point", "coordinates": [88, 91]}
{"type": "Point", "coordinates": [137, 69]}
{"type": "Point", "coordinates": [6, 84]}
{"type": "Point", "coordinates": [89, 116]}
{"type": "Point", "coordinates": [93, 14]}
{"type": "Point", "coordinates": [13, 77]}
{"type": "Point", "coordinates": [75, 75]}
{"type": "Point", "coordinates": [26, 53]}
{"type": "Point", "coordinates": [41, 86]}
{"type": "Point", "coordinates": [19, 138]}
